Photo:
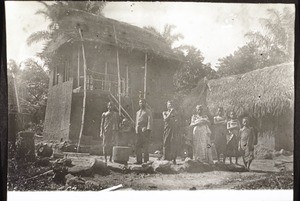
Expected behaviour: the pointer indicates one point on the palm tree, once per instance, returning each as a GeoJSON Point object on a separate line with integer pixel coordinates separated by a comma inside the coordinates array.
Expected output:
{"type": "Point", "coordinates": [167, 34]}
{"type": "Point", "coordinates": [55, 13]}
{"type": "Point", "coordinates": [94, 7]}
{"type": "Point", "coordinates": [279, 33]}
{"type": "Point", "coordinates": [52, 12]}
{"type": "Point", "coordinates": [171, 37]}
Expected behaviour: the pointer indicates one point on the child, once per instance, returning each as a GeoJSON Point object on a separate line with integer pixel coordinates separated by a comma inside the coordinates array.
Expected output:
{"type": "Point", "coordinates": [247, 141]}
{"type": "Point", "coordinates": [232, 137]}
{"type": "Point", "coordinates": [125, 137]}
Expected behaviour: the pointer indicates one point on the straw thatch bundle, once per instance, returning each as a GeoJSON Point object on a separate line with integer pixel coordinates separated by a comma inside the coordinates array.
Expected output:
{"type": "Point", "coordinates": [257, 93]}
{"type": "Point", "coordinates": [98, 29]}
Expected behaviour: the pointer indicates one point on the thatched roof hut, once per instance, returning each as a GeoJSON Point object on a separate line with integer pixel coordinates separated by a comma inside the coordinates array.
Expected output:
{"type": "Point", "coordinates": [266, 95]}
{"type": "Point", "coordinates": [264, 91]}
{"type": "Point", "coordinates": [102, 30]}
{"type": "Point", "coordinates": [121, 60]}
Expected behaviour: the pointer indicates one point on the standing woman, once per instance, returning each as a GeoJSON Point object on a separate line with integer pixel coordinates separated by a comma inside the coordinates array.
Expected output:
{"type": "Point", "coordinates": [170, 133]}
{"type": "Point", "coordinates": [220, 132]}
{"type": "Point", "coordinates": [201, 136]}
{"type": "Point", "coordinates": [232, 137]}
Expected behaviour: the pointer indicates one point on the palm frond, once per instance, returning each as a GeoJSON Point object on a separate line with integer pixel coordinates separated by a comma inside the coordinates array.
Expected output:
{"type": "Point", "coordinates": [44, 4]}
{"type": "Point", "coordinates": [38, 36]}
{"type": "Point", "coordinates": [274, 15]}
{"type": "Point", "coordinates": [42, 12]}
{"type": "Point", "coordinates": [257, 38]}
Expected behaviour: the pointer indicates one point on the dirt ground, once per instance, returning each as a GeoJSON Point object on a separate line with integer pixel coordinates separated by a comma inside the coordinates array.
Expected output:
{"type": "Point", "coordinates": [275, 173]}
{"type": "Point", "coordinates": [191, 181]}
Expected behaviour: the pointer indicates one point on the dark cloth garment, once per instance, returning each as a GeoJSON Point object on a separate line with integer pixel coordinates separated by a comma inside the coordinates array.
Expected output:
{"type": "Point", "coordinates": [170, 135]}
{"type": "Point", "coordinates": [109, 126]}
{"type": "Point", "coordinates": [246, 145]}
{"type": "Point", "coordinates": [219, 132]}
{"type": "Point", "coordinates": [142, 146]}
{"type": "Point", "coordinates": [143, 127]}
{"type": "Point", "coordinates": [232, 147]}
{"type": "Point", "coordinates": [232, 138]}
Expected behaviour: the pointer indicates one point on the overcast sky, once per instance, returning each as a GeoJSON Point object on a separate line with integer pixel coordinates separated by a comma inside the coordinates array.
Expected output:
{"type": "Point", "coordinates": [217, 29]}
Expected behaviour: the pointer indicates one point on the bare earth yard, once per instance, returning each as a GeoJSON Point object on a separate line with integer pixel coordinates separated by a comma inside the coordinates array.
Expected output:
{"type": "Point", "coordinates": [264, 174]}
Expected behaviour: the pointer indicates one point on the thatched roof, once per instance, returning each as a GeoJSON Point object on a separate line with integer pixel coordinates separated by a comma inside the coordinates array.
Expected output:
{"type": "Point", "coordinates": [264, 91]}
{"type": "Point", "coordinates": [98, 29]}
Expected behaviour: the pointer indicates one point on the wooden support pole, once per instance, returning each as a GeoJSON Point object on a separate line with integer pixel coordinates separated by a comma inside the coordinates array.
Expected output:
{"type": "Point", "coordinates": [127, 80]}
{"type": "Point", "coordinates": [119, 82]}
{"type": "Point", "coordinates": [119, 74]}
{"type": "Point", "coordinates": [84, 91]}
{"type": "Point", "coordinates": [78, 68]}
{"type": "Point", "coordinates": [105, 78]}
{"type": "Point", "coordinates": [145, 76]}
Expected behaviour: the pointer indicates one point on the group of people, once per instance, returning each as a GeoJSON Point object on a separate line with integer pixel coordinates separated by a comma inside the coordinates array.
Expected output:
{"type": "Point", "coordinates": [225, 135]}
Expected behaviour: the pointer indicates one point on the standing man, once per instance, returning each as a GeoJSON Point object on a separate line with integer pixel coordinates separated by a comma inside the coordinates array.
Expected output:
{"type": "Point", "coordinates": [108, 129]}
{"type": "Point", "coordinates": [170, 130]}
{"type": "Point", "coordinates": [143, 127]}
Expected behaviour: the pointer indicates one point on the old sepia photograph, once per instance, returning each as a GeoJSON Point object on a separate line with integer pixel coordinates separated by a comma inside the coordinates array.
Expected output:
{"type": "Point", "coordinates": [150, 96]}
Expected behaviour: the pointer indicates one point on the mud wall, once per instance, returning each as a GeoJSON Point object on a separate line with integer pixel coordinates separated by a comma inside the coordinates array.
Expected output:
{"type": "Point", "coordinates": [58, 110]}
